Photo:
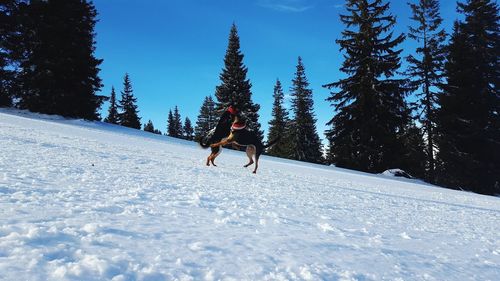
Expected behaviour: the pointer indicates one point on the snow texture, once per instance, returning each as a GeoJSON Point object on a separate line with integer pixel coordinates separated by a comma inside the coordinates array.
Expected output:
{"type": "Point", "coordinates": [91, 201]}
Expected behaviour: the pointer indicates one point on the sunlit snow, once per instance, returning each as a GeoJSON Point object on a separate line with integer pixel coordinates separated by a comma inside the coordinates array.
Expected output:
{"type": "Point", "coordinates": [92, 201]}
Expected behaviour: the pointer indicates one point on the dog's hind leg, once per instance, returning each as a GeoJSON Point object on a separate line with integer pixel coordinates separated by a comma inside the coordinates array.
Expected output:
{"type": "Point", "coordinates": [250, 153]}
{"type": "Point", "coordinates": [215, 154]}
{"type": "Point", "coordinates": [213, 159]}
{"type": "Point", "coordinates": [258, 152]}
{"type": "Point", "coordinates": [256, 163]}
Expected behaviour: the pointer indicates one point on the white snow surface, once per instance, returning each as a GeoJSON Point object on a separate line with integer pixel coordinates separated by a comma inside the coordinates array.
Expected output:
{"type": "Point", "coordinates": [92, 201]}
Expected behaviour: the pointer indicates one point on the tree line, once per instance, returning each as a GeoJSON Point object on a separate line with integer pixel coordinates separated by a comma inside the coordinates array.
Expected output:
{"type": "Point", "coordinates": [125, 113]}
{"type": "Point", "coordinates": [448, 134]}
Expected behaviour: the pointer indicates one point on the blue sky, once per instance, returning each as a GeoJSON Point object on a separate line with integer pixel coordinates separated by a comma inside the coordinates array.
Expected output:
{"type": "Point", "coordinates": [173, 50]}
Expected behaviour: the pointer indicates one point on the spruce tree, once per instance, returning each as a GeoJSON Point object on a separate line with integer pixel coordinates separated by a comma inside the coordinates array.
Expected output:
{"type": "Point", "coordinates": [414, 161]}
{"type": "Point", "coordinates": [279, 124]}
{"type": "Point", "coordinates": [305, 143]}
{"type": "Point", "coordinates": [371, 112]}
{"type": "Point", "coordinates": [129, 113]}
{"type": "Point", "coordinates": [177, 123]}
{"type": "Point", "coordinates": [171, 126]}
{"type": "Point", "coordinates": [469, 122]}
{"type": "Point", "coordinates": [58, 70]}
{"type": "Point", "coordinates": [113, 115]}
{"type": "Point", "coordinates": [425, 71]}
{"type": "Point", "coordinates": [8, 32]}
{"type": "Point", "coordinates": [235, 88]}
{"type": "Point", "coordinates": [207, 118]}
{"type": "Point", "coordinates": [188, 129]}
{"type": "Point", "coordinates": [149, 127]}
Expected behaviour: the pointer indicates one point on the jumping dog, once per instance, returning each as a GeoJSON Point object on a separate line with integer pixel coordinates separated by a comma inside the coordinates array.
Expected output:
{"type": "Point", "coordinates": [226, 133]}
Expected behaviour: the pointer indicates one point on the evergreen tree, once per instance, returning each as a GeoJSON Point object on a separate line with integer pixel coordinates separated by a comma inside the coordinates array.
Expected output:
{"type": "Point", "coordinates": [188, 130]}
{"type": "Point", "coordinates": [129, 113]}
{"type": "Point", "coordinates": [330, 151]}
{"type": "Point", "coordinates": [426, 70]}
{"type": "Point", "coordinates": [113, 115]}
{"type": "Point", "coordinates": [171, 126]}
{"type": "Point", "coordinates": [58, 70]}
{"type": "Point", "coordinates": [177, 124]}
{"type": "Point", "coordinates": [368, 130]}
{"type": "Point", "coordinates": [7, 44]}
{"type": "Point", "coordinates": [149, 127]}
{"type": "Point", "coordinates": [469, 122]}
{"type": "Point", "coordinates": [278, 126]}
{"type": "Point", "coordinates": [207, 119]}
{"type": "Point", "coordinates": [305, 142]}
{"type": "Point", "coordinates": [414, 160]}
{"type": "Point", "coordinates": [235, 87]}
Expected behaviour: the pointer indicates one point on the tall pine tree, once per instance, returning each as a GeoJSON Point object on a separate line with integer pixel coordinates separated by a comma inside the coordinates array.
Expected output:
{"type": "Point", "coordinates": [207, 118]}
{"type": "Point", "coordinates": [58, 70]}
{"type": "Point", "coordinates": [174, 124]}
{"type": "Point", "coordinates": [188, 129]}
{"type": "Point", "coordinates": [8, 32]}
{"type": "Point", "coordinates": [305, 143]}
{"type": "Point", "coordinates": [426, 70]}
{"type": "Point", "coordinates": [279, 124]}
{"type": "Point", "coordinates": [177, 123]}
{"type": "Point", "coordinates": [469, 121]}
{"type": "Point", "coordinates": [129, 114]}
{"type": "Point", "coordinates": [235, 88]}
{"type": "Point", "coordinates": [113, 115]}
{"type": "Point", "coordinates": [171, 125]}
{"type": "Point", "coordinates": [371, 113]}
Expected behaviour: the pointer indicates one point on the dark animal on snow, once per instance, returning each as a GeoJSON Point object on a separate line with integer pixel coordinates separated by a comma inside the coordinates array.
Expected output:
{"type": "Point", "coordinates": [220, 131]}
{"type": "Point", "coordinates": [223, 135]}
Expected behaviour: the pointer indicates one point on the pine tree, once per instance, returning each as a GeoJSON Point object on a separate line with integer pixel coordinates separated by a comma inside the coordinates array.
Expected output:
{"type": "Point", "coordinates": [149, 127]}
{"type": "Point", "coordinates": [7, 44]}
{"type": "Point", "coordinates": [207, 119]}
{"type": "Point", "coordinates": [171, 126]}
{"type": "Point", "coordinates": [414, 160]}
{"type": "Point", "coordinates": [426, 70]}
{"type": "Point", "coordinates": [58, 70]}
{"type": "Point", "coordinates": [279, 125]}
{"type": "Point", "coordinates": [305, 142]}
{"type": "Point", "coordinates": [371, 112]}
{"type": "Point", "coordinates": [129, 113]}
{"type": "Point", "coordinates": [235, 87]}
{"type": "Point", "coordinates": [469, 121]}
{"type": "Point", "coordinates": [178, 130]}
{"type": "Point", "coordinates": [188, 130]}
{"type": "Point", "coordinates": [113, 115]}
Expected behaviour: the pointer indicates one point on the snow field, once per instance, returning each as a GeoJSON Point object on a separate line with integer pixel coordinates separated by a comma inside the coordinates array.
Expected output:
{"type": "Point", "coordinates": [92, 201]}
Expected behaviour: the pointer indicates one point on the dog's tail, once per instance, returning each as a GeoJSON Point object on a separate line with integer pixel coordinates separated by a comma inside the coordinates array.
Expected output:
{"type": "Point", "coordinates": [203, 145]}
{"type": "Point", "coordinates": [273, 142]}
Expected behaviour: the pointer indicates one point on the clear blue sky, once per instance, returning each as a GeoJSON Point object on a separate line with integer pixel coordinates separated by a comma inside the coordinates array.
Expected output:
{"type": "Point", "coordinates": [174, 49]}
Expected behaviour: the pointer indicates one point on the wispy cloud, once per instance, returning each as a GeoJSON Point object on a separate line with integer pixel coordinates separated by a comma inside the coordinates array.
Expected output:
{"type": "Point", "coordinates": [293, 6]}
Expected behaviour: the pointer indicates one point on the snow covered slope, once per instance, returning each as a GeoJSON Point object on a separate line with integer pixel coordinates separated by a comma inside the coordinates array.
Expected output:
{"type": "Point", "coordinates": [92, 201]}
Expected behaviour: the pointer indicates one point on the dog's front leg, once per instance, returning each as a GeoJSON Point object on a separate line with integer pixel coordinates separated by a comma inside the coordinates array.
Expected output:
{"type": "Point", "coordinates": [223, 141]}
